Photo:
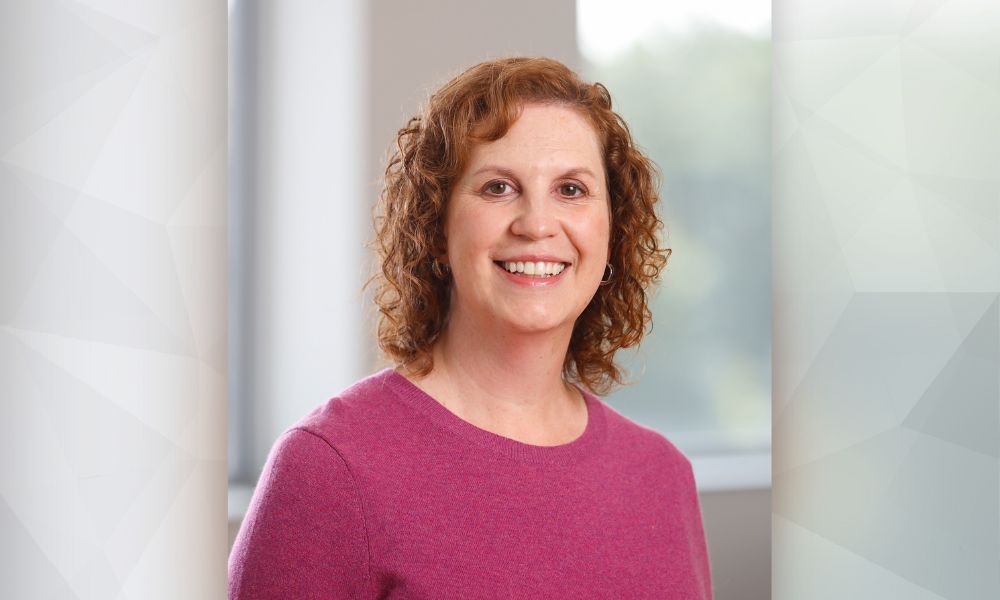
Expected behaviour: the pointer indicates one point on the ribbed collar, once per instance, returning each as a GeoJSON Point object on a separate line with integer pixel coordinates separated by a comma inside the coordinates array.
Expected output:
{"type": "Point", "coordinates": [585, 445]}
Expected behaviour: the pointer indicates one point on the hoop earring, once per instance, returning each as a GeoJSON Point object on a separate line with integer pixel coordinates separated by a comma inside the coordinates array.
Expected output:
{"type": "Point", "coordinates": [609, 273]}
{"type": "Point", "coordinates": [440, 269]}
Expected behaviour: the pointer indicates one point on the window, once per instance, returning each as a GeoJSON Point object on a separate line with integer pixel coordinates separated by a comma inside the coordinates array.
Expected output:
{"type": "Point", "coordinates": [693, 82]}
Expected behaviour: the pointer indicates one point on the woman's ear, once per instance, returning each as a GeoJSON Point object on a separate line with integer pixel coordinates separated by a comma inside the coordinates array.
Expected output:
{"type": "Point", "coordinates": [440, 248]}
{"type": "Point", "coordinates": [440, 266]}
{"type": "Point", "coordinates": [439, 254]}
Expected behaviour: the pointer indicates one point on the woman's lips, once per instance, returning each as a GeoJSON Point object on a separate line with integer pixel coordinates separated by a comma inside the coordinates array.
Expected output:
{"type": "Point", "coordinates": [532, 280]}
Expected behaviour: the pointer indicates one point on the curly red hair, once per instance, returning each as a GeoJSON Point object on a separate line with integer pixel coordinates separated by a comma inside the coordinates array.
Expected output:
{"type": "Point", "coordinates": [412, 292]}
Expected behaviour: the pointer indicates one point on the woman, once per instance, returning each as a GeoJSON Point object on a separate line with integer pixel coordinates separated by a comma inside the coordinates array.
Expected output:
{"type": "Point", "coordinates": [517, 238]}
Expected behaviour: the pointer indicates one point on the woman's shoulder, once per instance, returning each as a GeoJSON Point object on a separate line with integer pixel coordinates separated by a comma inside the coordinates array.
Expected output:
{"type": "Point", "coordinates": [355, 416]}
{"type": "Point", "coordinates": [638, 440]}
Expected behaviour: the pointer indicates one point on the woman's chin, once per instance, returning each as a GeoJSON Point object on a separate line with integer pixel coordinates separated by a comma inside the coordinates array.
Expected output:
{"type": "Point", "coordinates": [538, 323]}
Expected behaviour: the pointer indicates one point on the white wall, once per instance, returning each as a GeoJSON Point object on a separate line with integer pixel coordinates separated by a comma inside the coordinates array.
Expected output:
{"type": "Point", "coordinates": [417, 46]}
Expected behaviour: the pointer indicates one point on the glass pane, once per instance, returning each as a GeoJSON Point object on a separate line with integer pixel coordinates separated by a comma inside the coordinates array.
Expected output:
{"type": "Point", "coordinates": [693, 82]}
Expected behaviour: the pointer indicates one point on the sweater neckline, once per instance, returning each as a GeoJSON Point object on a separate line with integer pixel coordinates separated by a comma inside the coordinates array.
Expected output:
{"type": "Point", "coordinates": [571, 451]}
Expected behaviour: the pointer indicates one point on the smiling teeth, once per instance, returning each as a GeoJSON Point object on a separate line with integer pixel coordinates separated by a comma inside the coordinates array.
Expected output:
{"type": "Point", "coordinates": [535, 269]}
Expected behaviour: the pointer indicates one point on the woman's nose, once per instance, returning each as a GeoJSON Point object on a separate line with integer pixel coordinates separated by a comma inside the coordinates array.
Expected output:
{"type": "Point", "coordinates": [535, 218]}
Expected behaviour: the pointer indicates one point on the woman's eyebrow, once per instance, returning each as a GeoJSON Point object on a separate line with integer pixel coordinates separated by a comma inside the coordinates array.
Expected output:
{"type": "Point", "coordinates": [579, 171]}
{"type": "Point", "coordinates": [495, 169]}
{"type": "Point", "coordinates": [572, 172]}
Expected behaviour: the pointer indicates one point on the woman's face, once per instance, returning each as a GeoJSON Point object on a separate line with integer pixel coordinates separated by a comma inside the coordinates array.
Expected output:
{"type": "Point", "coordinates": [528, 224]}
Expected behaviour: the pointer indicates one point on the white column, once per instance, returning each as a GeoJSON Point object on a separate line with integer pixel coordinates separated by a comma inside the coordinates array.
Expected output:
{"type": "Point", "coordinates": [307, 215]}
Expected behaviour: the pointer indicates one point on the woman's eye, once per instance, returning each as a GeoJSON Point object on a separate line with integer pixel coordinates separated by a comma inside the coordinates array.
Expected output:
{"type": "Point", "coordinates": [571, 190]}
{"type": "Point", "coordinates": [498, 188]}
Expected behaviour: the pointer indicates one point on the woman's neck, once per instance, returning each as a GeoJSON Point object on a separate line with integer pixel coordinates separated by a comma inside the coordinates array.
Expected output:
{"type": "Point", "coordinates": [506, 382]}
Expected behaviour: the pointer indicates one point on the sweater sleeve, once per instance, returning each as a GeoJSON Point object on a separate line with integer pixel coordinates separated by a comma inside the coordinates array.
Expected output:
{"type": "Point", "coordinates": [697, 544]}
{"type": "Point", "coordinates": [304, 534]}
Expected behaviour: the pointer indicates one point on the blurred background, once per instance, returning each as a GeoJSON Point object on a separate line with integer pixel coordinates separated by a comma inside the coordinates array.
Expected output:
{"type": "Point", "coordinates": [317, 92]}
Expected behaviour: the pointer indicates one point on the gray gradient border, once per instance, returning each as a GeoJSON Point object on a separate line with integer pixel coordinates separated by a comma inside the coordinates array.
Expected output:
{"type": "Point", "coordinates": [886, 398]}
{"type": "Point", "coordinates": [113, 299]}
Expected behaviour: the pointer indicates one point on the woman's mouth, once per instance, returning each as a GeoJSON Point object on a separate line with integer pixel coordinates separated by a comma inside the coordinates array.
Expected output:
{"type": "Point", "coordinates": [537, 270]}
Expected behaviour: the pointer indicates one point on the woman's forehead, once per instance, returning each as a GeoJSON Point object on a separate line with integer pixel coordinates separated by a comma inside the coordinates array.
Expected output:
{"type": "Point", "coordinates": [550, 135]}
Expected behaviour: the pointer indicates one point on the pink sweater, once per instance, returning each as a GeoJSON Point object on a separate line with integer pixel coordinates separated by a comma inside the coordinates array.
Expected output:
{"type": "Point", "coordinates": [384, 493]}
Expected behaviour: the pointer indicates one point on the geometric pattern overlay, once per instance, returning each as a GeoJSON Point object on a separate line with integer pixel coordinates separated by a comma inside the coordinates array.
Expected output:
{"type": "Point", "coordinates": [886, 438]}
{"type": "Point", "coordinates": [113, 301]}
